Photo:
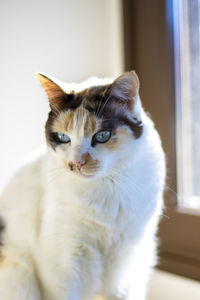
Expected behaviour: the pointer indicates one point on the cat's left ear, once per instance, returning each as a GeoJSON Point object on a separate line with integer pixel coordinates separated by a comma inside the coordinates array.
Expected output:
{"type": "Point", "coordinates": [126, 89]}
{"type": "Point", "coordinates": [54, 92]}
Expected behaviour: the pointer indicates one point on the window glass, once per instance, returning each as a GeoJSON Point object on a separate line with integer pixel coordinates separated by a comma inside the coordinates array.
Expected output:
{"type": "Point", "coordinates": [187, 70]}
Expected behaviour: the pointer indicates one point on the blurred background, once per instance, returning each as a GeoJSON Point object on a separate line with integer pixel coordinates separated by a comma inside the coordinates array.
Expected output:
{"type": "Point", "coordinates": [73, 40]}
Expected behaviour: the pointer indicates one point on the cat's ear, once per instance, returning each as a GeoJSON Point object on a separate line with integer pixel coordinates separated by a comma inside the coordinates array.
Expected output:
{"type": "Point", "coordinates": [54, 92]}
{"type": "Point", "coordinates": [126, 89]}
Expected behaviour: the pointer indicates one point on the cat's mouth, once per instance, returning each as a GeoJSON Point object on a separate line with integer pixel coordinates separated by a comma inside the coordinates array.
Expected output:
{"type": "Point", "coordinates": [82, 171]}
{"type": "Point", "coordinates": [84, 175]}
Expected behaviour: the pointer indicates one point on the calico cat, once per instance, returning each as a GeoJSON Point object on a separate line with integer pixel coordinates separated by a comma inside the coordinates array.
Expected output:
{"type": "Point", "coordinates": [80, 220]}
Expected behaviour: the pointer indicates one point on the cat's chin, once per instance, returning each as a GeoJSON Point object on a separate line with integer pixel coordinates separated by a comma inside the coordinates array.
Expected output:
{"type": "Point", "coordinates": [85, 176]}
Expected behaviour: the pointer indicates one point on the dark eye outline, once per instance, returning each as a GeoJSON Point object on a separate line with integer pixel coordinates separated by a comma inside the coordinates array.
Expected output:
{"type": "Point", "coordinates": [99, 142]}
{"type": "Point", "coordinates": [58, 139]}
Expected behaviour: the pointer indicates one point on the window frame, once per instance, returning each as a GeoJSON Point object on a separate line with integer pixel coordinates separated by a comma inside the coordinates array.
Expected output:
{"type": "Point", "coordinates": [149, 49]}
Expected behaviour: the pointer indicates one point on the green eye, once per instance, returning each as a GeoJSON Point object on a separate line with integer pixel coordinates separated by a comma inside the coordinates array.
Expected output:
{"type": "Point", "coordinates": [102, 136]}
{"type": "Point", "coordinates": [63, 138]}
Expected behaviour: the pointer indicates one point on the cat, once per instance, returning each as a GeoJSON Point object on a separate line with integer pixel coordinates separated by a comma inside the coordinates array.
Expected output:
{"type": "Point", "coordinates": [80, 220]}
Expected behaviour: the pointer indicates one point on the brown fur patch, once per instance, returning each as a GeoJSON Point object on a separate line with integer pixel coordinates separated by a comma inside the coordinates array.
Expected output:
{"type": "Point", "coordinates": [54, 92]}
{"type": "Point", "coordinates": [87, 125]}
{"type": "Point", "coordinates": [120, 138]}
{"type": "Point", "coordinates": [90, 125]}
{"type": "Point", "coordinates": [65, 122]}
{"type": "Point", "coordinates": [91, 165]}
{"type": "Point", "coordinates": [7, 260]}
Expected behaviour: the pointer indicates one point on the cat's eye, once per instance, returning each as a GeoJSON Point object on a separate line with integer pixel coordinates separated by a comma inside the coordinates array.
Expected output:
{"type": "Point", "coordinates": [62, 138]}
{"type": "Point", "coordinates": [102, 136]}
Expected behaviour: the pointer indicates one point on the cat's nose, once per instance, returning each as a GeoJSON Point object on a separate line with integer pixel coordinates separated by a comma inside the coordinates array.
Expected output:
{"type": "Point", "coordinates": [79, 163]}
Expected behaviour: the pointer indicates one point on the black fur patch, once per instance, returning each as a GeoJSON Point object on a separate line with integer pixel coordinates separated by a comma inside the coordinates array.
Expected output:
{"type": "Point", "coordinates": [48, 132]}
{"type": "Point", "coordinates": [71, 101]}
{"type": "Point", "coordinates": [2, 228]}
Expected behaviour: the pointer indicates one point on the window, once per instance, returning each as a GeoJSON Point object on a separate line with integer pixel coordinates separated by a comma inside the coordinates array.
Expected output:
{"type": "Point", "coordinates": [162, 44]}
{"type": "Point", "coordinates": [187, 66]}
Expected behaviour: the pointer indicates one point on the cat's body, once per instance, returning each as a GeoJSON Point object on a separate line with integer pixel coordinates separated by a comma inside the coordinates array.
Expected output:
{"type": "Point", "coordinates": [70, 237]}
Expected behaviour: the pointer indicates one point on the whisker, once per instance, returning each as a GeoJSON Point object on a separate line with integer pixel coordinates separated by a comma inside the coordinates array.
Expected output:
{"type": "Point", "coordinates": [104, 105]}
{"type": "Point", "coordinates": [55, 177]}
{"type": "Point", "coordinates": [49, 171]}
{"type": "Point", "coordinates": [99, 106]}
{"type": "Point", "coordinates": [119, 177]}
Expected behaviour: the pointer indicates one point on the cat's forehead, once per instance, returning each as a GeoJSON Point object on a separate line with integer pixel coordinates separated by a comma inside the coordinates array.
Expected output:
{"type": "Point", "coordinates": [79, 122]}
{"type": "Point", "coordinates": [91, 99]}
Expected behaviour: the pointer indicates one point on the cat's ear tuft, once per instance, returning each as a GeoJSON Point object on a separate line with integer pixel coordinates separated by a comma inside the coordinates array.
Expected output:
{"type": "Point", "coordinates": [126, 88]}
{"type": "Point", "coordinates": [54, 92]}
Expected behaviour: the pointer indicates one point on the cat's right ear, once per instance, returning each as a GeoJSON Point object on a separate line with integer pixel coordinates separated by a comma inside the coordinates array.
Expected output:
{"type": "Point", "coordinates": [54, 92]}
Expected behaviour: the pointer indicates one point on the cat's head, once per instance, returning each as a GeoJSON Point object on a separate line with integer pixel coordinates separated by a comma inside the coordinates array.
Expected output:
{"type": "Point", "coordinates": [91, 130]}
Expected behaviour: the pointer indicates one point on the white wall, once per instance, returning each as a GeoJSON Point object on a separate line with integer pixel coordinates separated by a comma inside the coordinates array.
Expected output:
{"type": "Point", "coordinates": [70, 39]}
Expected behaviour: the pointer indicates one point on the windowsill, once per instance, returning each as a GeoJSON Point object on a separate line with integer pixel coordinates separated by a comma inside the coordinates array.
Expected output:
{"type": "Point", "coordinates": [167, 286]}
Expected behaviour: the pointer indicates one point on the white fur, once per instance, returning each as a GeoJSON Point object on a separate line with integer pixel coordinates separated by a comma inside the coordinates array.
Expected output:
{"type": "Point", "coordinates": [72, 238]}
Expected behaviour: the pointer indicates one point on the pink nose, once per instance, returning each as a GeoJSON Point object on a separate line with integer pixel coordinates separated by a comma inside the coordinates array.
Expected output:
{"type": "Point", "coordinates": [79, 164]}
